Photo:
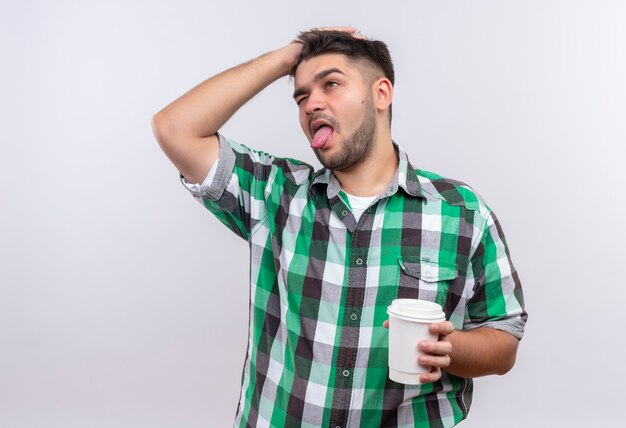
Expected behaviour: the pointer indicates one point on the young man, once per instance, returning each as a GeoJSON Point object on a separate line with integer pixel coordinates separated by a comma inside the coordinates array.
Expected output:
{"type": "Point", "coordinates": [330, 249]}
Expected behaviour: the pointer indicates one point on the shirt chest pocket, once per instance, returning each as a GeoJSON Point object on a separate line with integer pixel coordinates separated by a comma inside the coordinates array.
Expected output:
{"type": "Point", "coordinates": [425, 279]}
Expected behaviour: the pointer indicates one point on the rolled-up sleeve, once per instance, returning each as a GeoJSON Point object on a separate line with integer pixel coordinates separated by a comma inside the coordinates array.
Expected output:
{"type": "Point", "coordinates": [218, 177]}
{"type": "Point", "coordinates": [236, 192]}
{"type": "Point", "coordinates": [497, 301]}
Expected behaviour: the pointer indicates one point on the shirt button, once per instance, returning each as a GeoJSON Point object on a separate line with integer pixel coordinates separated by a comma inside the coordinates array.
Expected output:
{"type": "Point", "coordinates": [346, 373]}
{"type": "Point", "coordinates": [353, 317]}
{"type": "Point", "coordinates": [359, 261]}
{"type": "Point", "coordinates": [344, 213]}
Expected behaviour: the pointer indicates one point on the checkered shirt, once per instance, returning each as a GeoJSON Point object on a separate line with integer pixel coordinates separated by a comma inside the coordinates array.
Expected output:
{"type": "Point", "coordinates": [320, 284]}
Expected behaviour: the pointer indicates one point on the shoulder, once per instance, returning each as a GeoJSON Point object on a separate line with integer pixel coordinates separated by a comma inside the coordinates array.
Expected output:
{"type": "Point", "coordinates": [297, 171]}
{"type": "Point", "coordinates": [294, 170]}
{"type": "Point", "coordinates": [452, 192]}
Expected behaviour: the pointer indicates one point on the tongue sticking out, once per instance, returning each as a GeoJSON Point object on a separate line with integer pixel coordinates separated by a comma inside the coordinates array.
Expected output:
{"type": "Point", "coordinates": [321, 137]}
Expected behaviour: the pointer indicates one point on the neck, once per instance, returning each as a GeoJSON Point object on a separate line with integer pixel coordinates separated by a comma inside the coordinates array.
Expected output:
{"type": "Point", "coordinates": [372, 176]}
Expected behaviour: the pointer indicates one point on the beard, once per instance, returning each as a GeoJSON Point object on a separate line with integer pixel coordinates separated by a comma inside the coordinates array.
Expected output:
{"type": "Point", "coordinates": [357, 147]}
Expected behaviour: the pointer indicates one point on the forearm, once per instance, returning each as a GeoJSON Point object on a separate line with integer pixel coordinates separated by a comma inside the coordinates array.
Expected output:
{"type": "Point", "coordinates": [203, 110]}
{"type": "Point", "coordinates": [186, 128]}
{"type": "Point", "coordinates": [481, 352]}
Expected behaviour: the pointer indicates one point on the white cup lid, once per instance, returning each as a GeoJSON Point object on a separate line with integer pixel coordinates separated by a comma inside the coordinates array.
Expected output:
{"type": "Point", "coordinates": [416, 310]}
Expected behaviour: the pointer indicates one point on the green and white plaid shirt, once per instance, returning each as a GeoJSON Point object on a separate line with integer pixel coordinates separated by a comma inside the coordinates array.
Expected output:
{"type": "Point", "coordinates": [321, 283]}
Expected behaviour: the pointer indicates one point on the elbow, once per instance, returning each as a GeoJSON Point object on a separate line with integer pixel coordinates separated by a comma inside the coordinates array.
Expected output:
{"type": "Point", "coordinates": [508, 345]}
{"type": "Point", "coordinates": [159, 124]}
{"type": "Point", "coordinates": [506, 364]}
{"type": "Point", "coordinates": [505, 369]}
{"type": "Point", "coordinates": [163, 129]}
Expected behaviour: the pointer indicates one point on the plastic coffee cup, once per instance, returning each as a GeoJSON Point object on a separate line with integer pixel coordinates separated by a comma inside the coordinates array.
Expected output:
{"type": "Point", "coordinates": [408, 324]}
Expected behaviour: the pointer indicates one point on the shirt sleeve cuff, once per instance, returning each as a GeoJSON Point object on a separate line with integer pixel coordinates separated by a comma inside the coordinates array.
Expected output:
{"type": "Point", "coordinates": [218, 177]}
{"type": "Point", "coordinates": [205, 184]}
{"type": "Point", "coordinates": [513, 326]}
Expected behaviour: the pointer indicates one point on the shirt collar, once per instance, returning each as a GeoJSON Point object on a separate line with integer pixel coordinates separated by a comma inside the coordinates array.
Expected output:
{"type": "Point", "coordinates": [405, 178]}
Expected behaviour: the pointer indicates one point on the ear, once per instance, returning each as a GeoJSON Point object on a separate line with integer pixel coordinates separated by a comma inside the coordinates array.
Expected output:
{"type": "Point", "coordinates": [382, 90]}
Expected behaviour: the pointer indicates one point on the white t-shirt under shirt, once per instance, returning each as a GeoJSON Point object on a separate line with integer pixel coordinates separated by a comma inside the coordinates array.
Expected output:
{"type": "Point", "coordinates": [358, 203]}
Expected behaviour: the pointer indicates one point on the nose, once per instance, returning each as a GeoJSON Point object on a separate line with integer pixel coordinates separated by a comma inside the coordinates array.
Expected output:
{"type": "Point", "coordinates": [315, 102]}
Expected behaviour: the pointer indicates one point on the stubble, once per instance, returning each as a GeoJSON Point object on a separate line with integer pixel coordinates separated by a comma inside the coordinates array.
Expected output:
{"type": "Point", "coordinates": [357, 147]}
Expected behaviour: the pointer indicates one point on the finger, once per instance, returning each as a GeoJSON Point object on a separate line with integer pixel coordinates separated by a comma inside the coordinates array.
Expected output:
{"type": "Point", "coordinates": [441, 328]}
{"type": "Point", "coordinates": [433, 376]}
{"type": "Point", "coordinates": [434, 361]}
{"type": "Point", "coordinates": [345, 29]}
{"type": "Point", "coordinates": [359, 35]}
{"type": "Point", "coordinates": [386, 324]}
{"type": "Point", "coordinates": [354, 32]}
{"type": "Point", "coordinates": [443, 347]}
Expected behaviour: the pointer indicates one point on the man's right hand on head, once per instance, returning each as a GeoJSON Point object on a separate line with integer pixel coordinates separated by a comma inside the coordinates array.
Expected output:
{"type": "Point", "coordinates": [292, 50]}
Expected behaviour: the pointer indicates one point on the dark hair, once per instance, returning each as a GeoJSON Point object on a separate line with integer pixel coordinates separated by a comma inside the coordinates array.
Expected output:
{"type": "Point", "coordinates": [318, 42]}
{"type": "Point", "coordinates": [373, 52]}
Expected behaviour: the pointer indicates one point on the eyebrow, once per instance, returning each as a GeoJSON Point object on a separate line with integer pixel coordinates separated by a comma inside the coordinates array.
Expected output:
{"type": "Point", "coordinates": [319, 76]}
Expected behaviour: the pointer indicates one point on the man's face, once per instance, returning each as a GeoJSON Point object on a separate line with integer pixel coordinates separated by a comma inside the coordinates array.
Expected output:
{"type": "Point", "coordinates": [336, 109]}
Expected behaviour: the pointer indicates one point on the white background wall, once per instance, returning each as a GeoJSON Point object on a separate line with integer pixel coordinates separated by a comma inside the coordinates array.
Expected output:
{"type": "Point", "coordinates": [124, 304]}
